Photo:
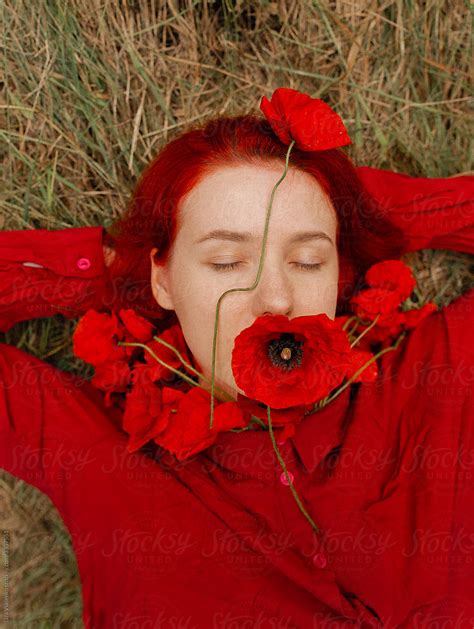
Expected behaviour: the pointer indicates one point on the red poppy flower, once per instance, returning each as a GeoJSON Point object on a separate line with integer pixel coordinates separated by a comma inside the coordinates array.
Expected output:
{"type": "Point", "coordinates": [137, 326]}
{"type": "Point", "coordinates": [393, 275]}
{"type": "Point", "coordinates": [112, 377]}
{"type": "Point", "coordinates": [143, 417]}
{"type": "Point", "coordinates": [309, 121]}
{"type": "Point", "coordinates": [188, 432]}
{"type": "Point", "coordinates": [95, 338]}
{"type": "Point", "coordinates": [174, 336]}
{"type": "Point", "coordinates": [283, 362]}
{"type": "Point", "coordinates": [140, 433]}
{"type": "Point", "coordinates": [377, 301]}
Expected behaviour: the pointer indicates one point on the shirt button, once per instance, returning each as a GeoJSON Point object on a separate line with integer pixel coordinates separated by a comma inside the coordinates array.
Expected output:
{"type": "Point", "coordinates": [83, 263]}
{"type": "Point", "coordinates": [320, 560]}
{"type": "Point", "coordinates": [284, 479]}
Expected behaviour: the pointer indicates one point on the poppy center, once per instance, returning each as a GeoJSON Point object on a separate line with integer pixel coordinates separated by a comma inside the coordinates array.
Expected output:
{"type": "Point", "coordinates": [285, 352]}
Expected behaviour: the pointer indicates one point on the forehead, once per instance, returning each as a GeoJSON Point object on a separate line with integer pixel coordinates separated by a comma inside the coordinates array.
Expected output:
{"type": "Point", "coordinates": [237, 196]}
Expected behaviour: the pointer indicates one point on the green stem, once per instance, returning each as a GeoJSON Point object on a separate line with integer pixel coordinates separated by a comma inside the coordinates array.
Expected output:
{"type": "Point", "coordinates": [282, 462]}
{"type": "Point", "coordinates": [353, 330]}
{"type": "Point", "coordinates": [191, 368]}
{"type": "Point", "coordinates": [366, 330]}
{"type": "Point", "coordinates": [259, 421]}
{"type": "Point", "coordinates": [179, 373]}
{"type": "Point", "coordinates": [349, 321]}
{"type": "Point", "coordinates": [253, 420]}
{"type": "Point", "coordinates": [262, 253]}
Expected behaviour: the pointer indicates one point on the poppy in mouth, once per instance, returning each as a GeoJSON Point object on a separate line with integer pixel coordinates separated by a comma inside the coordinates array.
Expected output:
{"type": "Point", "coordinates": [285, 362]}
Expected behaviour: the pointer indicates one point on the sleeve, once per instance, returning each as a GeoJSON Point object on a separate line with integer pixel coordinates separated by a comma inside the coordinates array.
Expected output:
{"type": "Point", "coordinates": [431, 493]}
{"type": "Point", "coordinates": [432, 213]}
{"type": "Point", "coordinates": [443, 462]}
{"type": "Point", "coordinates": [51, 423]}
{"type": "Point", "coordinates": [56, 435]}
{"type": "Point", "coordinates": [45, 272]}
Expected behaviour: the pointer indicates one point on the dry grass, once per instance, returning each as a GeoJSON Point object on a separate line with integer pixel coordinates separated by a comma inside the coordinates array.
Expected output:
{"type": "Point", "coordinates": [92, 89]}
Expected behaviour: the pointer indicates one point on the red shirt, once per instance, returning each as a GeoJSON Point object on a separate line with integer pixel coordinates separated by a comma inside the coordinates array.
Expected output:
{"type": "Point", "coordinates": [385, 470]}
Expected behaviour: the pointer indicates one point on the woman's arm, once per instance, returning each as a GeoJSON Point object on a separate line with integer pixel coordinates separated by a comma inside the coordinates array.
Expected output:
{"type": "Point", "coordinates": [45, 272]}
{"type": "Point", "coordinates": [433, 388]}
{"type": "Point", "coordinates": [433, 213]}
{"type": "Point", "coordinates": [48, 417]}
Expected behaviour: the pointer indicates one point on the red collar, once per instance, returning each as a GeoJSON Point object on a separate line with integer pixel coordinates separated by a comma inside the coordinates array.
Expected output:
{"type": "Point", "coordinates": [250, 454]}
{"type": "Point", "coordinates": [319, 433]}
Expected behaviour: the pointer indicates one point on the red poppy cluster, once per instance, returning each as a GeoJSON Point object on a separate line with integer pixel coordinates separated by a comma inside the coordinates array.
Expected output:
{"type": "Point", "coordinates": [96, 340]}
{"type": "Point", "coordinates": [174, 414]}
{"type": "Point", "coordinates": [389, 283]}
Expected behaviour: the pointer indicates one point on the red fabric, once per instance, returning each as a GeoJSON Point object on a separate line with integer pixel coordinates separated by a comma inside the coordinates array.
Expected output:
{"type": "Point", "coordinates": [385, 470]}
{"type": "Point", "coordinates": [432, 213]}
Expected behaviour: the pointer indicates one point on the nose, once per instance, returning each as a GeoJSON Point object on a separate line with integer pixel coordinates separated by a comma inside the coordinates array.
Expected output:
{"type": "Point", "coordinates": [273, 293]}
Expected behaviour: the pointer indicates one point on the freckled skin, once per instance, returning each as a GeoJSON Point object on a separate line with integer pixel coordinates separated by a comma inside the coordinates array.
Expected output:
{"type": "Point", "coordinates": [236, 198]}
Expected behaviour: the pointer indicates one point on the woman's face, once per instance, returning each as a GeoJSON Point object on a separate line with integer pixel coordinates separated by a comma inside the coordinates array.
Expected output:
{"type": "Point", "coordinates": [221, 222]}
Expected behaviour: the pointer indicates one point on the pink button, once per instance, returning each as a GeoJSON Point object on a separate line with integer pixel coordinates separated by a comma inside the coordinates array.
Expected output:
{"type": "Point", "coordinates": [320, 560]}
{"type": "Point", "coordinates": [284, 479]}
{"type": "Point", "coordinates": [83, 263]}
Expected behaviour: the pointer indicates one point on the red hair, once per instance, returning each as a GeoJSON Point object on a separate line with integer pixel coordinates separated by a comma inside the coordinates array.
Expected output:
{"type": "Point", "coordinates": [363, 235]}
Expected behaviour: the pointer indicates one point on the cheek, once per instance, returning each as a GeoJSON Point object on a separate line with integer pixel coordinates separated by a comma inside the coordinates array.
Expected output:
{"type": "Point", "coordinates": [195, 296]}
{"type": "Point", "coordinates": [320, 286]}
{"type": "Point", "coordinates": [209, 286]}
{"type": "Point", "coordinates": [189, 289]}
{"type": "Point", "coordinates": [329, 288]}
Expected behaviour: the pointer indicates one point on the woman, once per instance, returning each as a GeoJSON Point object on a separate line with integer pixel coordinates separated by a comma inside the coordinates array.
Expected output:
{"type": "Point", "coordinates": [217, 539]}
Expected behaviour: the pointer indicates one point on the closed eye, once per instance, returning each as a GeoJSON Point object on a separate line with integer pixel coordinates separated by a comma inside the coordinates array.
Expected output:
{"type": "Point", "coordinates": [229, 266]}
{"type": "Point", "coordinates": [225, 267]}
{"type": "Point", "coordinates": [309, 267]}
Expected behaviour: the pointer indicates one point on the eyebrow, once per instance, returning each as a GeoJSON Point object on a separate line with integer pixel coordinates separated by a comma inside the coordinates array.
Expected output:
{"type": "Point", "coordinates": [226, 234]}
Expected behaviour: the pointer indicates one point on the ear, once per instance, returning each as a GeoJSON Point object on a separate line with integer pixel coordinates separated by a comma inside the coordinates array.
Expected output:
{"type": "Point", "coordinates": [160, 283]}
